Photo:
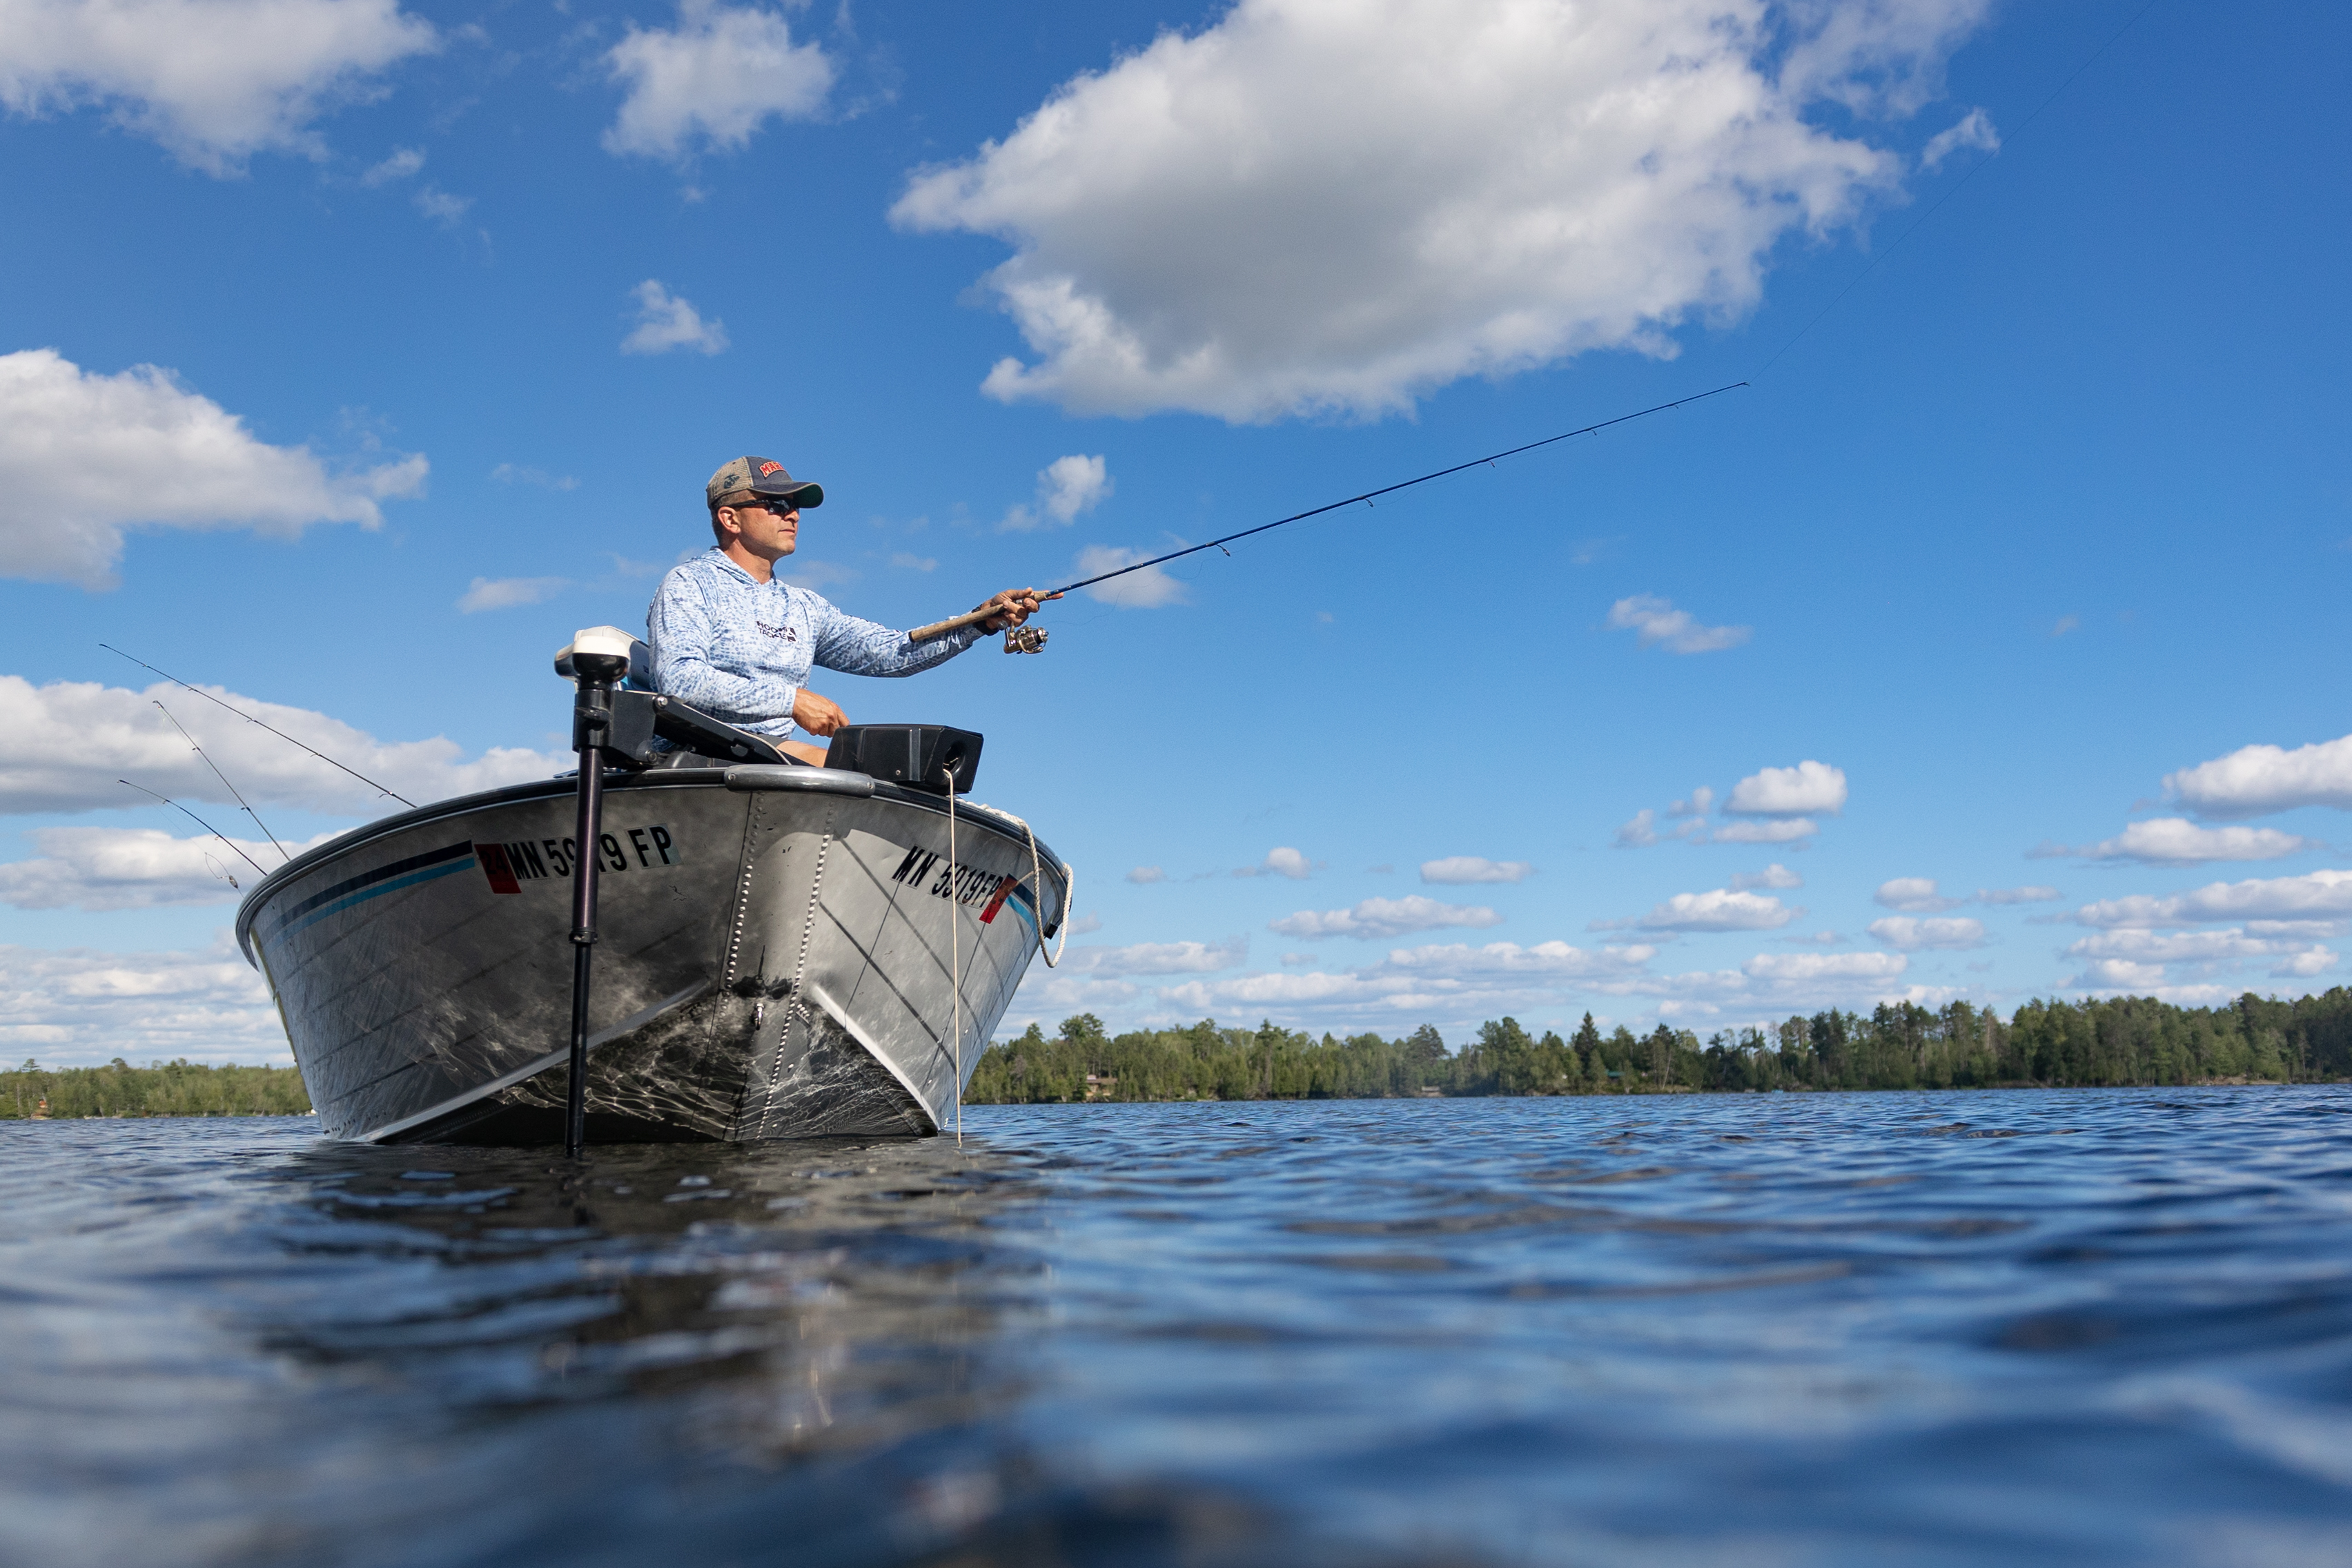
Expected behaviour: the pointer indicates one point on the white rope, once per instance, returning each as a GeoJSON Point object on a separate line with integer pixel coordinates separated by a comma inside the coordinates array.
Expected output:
{"type": "Point", "coordinates": [1038, 883]}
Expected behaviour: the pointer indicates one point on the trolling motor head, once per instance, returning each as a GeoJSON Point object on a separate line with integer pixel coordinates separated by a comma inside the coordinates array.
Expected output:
{"type": "Point", "coordinates": [600, 654]}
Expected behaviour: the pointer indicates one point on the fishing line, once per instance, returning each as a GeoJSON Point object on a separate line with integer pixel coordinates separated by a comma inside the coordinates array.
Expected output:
{"type": "Point", "coordinates": [191, 740]}
{"type": "Point", "coordinates": [1368, 497]}
{"type": "Point", "coordinates": [199, 821]}
{"type": "Point", "coordinates": [249, 719]}
{"type": "Point", "coordinates": [1974, 169]}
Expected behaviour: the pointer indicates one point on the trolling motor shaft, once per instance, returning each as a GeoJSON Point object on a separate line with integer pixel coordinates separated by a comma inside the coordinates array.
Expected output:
{"type": "Point", "coordinates": [600, 658]}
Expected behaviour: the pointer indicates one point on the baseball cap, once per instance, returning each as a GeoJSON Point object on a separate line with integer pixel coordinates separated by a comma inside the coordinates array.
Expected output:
{"type": "Point", "coordinates": [764, 478]}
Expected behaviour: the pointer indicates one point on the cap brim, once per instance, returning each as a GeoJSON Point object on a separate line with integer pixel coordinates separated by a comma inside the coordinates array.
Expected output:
{"type": "Point", "coordinates": [799, 494]}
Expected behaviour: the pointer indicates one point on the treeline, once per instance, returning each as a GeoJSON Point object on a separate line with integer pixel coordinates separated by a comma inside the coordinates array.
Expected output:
{"type": "Point", "coordinates": [160, 1088]}
{"type": "Point", "coordinates": [2123, 1041]}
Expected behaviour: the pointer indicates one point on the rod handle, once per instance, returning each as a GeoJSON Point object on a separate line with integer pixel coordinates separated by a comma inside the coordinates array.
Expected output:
{"type": "Point", "coordinates": [989, 611]}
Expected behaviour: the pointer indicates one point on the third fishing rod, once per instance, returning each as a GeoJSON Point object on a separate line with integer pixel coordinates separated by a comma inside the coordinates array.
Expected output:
{"type": "Point", "coordinates": [1032, 639]}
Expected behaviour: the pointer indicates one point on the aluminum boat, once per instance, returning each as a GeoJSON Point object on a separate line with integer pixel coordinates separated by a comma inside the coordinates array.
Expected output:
{"type": "Point", "coordinates": [782, 951]}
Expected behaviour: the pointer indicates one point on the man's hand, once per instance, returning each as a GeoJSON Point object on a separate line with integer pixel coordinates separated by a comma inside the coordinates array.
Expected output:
{"type": "Point", "coordinates": [1017, 605]}
{"type": "Point", "coordinates": [817, 715]}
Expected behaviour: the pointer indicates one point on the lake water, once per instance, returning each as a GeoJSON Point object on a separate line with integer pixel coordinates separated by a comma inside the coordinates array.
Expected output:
{"type": "Point", "coordinates": [2061, 1327]}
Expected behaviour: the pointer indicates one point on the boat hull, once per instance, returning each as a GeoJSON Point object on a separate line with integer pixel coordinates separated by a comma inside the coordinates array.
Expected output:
{"type": "Point", "coordinates": [780, 953]}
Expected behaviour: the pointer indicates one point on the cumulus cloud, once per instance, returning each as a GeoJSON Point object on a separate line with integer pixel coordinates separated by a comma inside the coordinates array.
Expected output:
{"type": "Point", "coordinates": [2027, 895]}
{"type": "Point", "coordinates": [440, 205]}
{"type": "Point", "coordinates": [69, 741]}
{"type": "Point", "coordinates": [1974, 129]}
{"type": "Point", "coordinates": [85, 457]}
{"type": "Point", "coordinates": [1915, 895]}
{"type": "Point", "coordinates": [1549, 960]}
{"type": "Point", "coordinates": [1721, 910]}
{"type": "Point", "coordinates": [1638, 834]}
{"type": "Point", "coordinates": [1382, 918]}
{"type": "Point", "coordinates": [1812, 968]}
{"type": "Point", "coordinates": [2143, 946]}
{"type": "Point", "coordinates": [135, 869]}
{"type": "Point", "coordinates": [2257, 780]}
{"type": "Point", "coordinates": [1808, 789]}
{"type": "Point", "coordinates": [510, 473]}
{"type": "Point", "coordinates": [2177, 841]}
{"type": "Point", "coordinates": [2315, 895]}
{"type": "Point", "coordinates": [1775, 876]}
{"type": "Point", "coordinates": [1463, 869]}
{"type": "Point", "coordinates": [1911, 933]}
{"type": "Point", "coordinates": [212, 80]}
{"type": "Point", "coordinates": [1144, 875]}
{"type": "Point", "coordinates": [2119, 974]}
{"type": "Point", "coordinates": [1159, 958]}
{"type": "Point", "coordinates": [1065, 487]}
{"type": "Point", "coordinates": [1307, 206]}
{"type": "Point", "coordinates": [1659, 624]}
{"type": "Point", "coordinates": [716, 77]}
{"type": "Point", "coordinates": [79, 1006]}
{"type": "Point", "coordinates": [505, 593]}
{"type": "Point", "coordinates": [1146, 590]}
{"type": "Point", "coordinates": [1280, 861]}
{"type": "Point", "coordinates": [666, 321]}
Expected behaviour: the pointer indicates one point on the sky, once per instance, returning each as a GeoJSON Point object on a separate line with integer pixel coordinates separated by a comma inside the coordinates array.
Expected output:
{"type": "Point", "coordinates": [1985, 644]}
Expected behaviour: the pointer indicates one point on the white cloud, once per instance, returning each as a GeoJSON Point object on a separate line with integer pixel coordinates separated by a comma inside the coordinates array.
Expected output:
{"type": "Point", "coordinates": [666, 321]}
{"type": "Point", "coordinates": [1554, 959]}
{"type": "Point", "coordinates": [2142, 945]}
{"type": "Point", "coordinates": [84, 457]}
{"type": "Point", "coordinates": [1911, 933]}
{"type": "Point", "coordinates": [2177, 841]}
{"type": "Point", "coordinates": [2315, 895]}
{"type": "Point", "coordinates": [1146, 590]}
{"type": "Point", "coordinates": [1773, 876]}
{"type": "Point", "coordinates": [69, 741]}
{"type": "Point", "coordinates": [1463, 869]}
{"type": "Point", "coordinates": [2119, 974]}
{"type": "Point", "coordinates": [1807, 789]}
{"type": "Point", "coordinates": [1916, 895]}
{"type": "Point", "coordinates": [1658, 623]}
{"type": "Point", "coordinates": [2027, 895]}
{"type": "Point", "coordinates": [1974, 129]}
{"type": "Point", "coordinates": [1159, 958]}
{"type": "Point", "coordinates": [76, 1007]}
{"type": "Point", "coordinates": [1813, 968]}
{"type": "Point", "coordinates": [1065, 487]}
{"type": "Point", "coordinates": [1383, 919]}
{"type": "Point", "coordinates": [440, 205]}
{"type": "Point", "coordinates": [506, 592]}
{"type": "Point", "coordinates": [2255, 780]}
{"type": "Point", "coordinates": [212, 80]}
{"type": "Point", "coordinates": [2304, 964]}
{"type": "Point", "coordinates": [1785, 832]}
{"type": "Point", "coordinates": [1721, 910]}
{"type": "Point", "coordinates": [1280, 861]}
{"type": "Point", "coordinates": [1638, 834]}
{"type": "Point", "coordinates": [135, 869]}
{"type": "Point", "coordinates": [1311, 206]}
{"type": "Point", "coordinates": [908, 561]}
{"type": "Point", "coordinates": [403, 162]}
{"type": "Point", "coordinates": [1701, 802]}
{"type": "Point", "coordinates": [719, 76]}
{"type": "Point", "coordinates": [1146, 874]}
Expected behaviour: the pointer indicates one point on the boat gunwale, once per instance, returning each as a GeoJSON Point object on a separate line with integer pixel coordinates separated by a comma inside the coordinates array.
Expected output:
{"type": "Point", "coordinates": [981, 815]}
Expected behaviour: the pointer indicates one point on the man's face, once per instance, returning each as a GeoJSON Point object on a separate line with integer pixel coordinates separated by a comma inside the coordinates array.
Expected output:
{"type": "Point", "coordinates": [769, 530]}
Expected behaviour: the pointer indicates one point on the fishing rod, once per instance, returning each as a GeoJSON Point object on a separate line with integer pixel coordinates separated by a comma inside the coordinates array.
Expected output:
{"type": "Point", "coordinates": [232, 789]}
{"type": "Point", "coordinates": [249, 719]}
{"type": "Point", "coordinates": [1026, 639]}
{"type": "Point", "coordinates": [199, 821]}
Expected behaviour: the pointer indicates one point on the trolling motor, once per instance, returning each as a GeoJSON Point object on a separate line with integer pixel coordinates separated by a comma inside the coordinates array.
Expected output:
{"type": "Point", "coordinates": [600, 661]}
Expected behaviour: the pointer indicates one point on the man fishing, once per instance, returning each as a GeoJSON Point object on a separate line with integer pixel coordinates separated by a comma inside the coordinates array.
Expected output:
{"type": "Point", "coordinates": [731, 639]}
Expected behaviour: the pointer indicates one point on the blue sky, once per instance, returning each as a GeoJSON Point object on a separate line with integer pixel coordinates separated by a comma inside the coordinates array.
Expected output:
{"type": "Point", "coordinates": [452, 310]}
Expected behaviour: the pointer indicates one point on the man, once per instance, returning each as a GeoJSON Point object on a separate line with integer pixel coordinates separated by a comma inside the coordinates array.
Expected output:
{"type": "Point", "coordinates": [730, 639]}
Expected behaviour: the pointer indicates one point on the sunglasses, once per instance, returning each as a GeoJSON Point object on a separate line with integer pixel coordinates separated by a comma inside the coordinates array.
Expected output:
{"type": "Point", "coordinates": [764, 503]}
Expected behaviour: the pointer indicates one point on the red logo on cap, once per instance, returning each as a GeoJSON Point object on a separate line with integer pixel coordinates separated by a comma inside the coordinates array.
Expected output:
{"type": "Point", "coordinates": [767, 468]}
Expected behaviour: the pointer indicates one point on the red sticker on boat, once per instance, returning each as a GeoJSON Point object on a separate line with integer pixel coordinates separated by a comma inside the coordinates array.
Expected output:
{"type": "Point", "coordinates": [1003, 891]}
{"type": "Point", "coordinates": [493, 858]}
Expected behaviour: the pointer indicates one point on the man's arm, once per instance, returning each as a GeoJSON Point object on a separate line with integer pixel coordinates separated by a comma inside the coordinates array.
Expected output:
{"type": "Point", "coordinates": [856, 647]}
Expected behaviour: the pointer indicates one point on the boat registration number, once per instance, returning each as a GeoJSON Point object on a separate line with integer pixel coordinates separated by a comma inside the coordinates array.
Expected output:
{"type": "Point", "coordinates": [510, 866]}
